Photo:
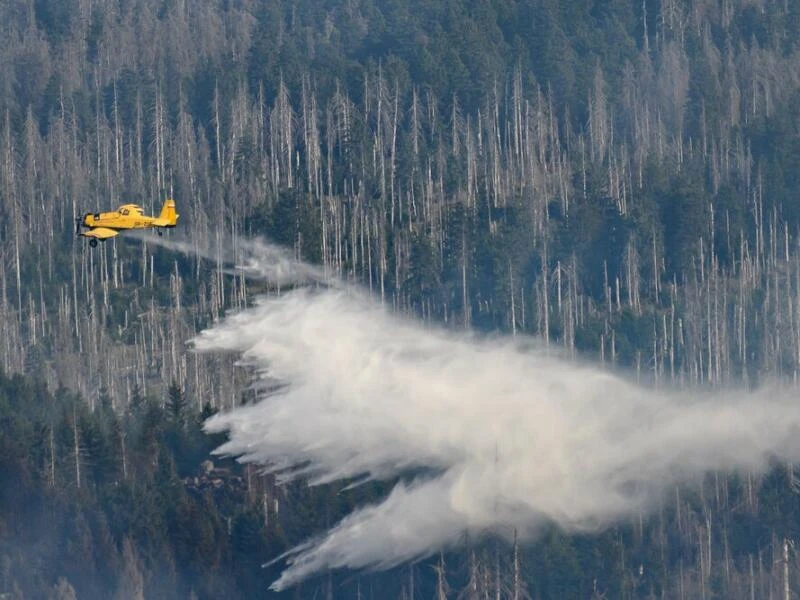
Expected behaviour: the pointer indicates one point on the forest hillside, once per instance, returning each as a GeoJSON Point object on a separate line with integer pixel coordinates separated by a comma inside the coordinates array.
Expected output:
{"type": "Point", "coordinates": [617, 179]}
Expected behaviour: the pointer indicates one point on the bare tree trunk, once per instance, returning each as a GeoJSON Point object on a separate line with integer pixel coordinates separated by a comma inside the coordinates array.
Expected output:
{"type": "Point", "coordinates": [786, 591]}
{"type": "Point", "coordinates": [76, 447]}
{"type": "Point", "coordinates": [442, 588]}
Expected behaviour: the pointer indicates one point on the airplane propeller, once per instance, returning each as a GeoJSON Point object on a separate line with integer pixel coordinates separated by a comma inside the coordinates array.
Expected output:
{"type": "Point", "coordinates": [78, 226]}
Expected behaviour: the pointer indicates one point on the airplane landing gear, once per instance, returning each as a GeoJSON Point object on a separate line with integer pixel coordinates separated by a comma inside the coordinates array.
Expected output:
{"type": "Point", "coordinates": [93, 242]}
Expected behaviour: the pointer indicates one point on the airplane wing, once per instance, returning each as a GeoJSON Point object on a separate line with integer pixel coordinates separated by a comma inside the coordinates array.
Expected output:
{"type": "Point", "coordinates": [100, 233]}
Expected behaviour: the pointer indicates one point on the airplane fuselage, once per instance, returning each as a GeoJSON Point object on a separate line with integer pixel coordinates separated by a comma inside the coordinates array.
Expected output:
{"type": "Point", "coordinates": [103, 225]}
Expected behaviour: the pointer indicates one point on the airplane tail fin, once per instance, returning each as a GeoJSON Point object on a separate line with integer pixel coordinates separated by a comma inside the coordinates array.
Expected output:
{"type": "Point", "coordinates": [168, 216]}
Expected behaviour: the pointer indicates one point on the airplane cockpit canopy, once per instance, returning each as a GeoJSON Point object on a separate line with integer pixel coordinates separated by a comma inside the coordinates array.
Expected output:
{"type": "Point", "coordinates": [131, 209]}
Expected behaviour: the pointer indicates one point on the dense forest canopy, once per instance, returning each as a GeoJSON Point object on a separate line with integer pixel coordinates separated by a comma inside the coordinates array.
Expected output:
{"type": "Point", "coordinates": [617, 178]}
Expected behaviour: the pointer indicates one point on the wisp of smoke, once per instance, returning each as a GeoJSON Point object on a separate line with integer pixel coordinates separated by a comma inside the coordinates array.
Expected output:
{"type": "Point", "coordinates": [486, 435]}
{"type": "Point", "coordinates": [254, 258]}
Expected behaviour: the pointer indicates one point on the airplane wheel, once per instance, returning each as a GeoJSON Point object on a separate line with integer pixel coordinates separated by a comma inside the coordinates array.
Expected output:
{"type": "Point", "coordinates": [93, 242]}
{"type": "Point", "coordinates": [159, 232]}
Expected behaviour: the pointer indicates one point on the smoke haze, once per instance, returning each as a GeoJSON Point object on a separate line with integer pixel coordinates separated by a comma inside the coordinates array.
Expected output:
{"type": "Point", "coordinates": [509, 438]}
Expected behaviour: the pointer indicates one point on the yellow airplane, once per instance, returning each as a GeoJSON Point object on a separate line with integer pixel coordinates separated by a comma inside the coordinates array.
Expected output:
{"type": "Point", "coordinates": [128, 216]}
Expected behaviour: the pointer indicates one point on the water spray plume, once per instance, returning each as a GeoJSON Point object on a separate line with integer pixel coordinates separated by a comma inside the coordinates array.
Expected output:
{"type": "Point", "coordinates": [510, 438]}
